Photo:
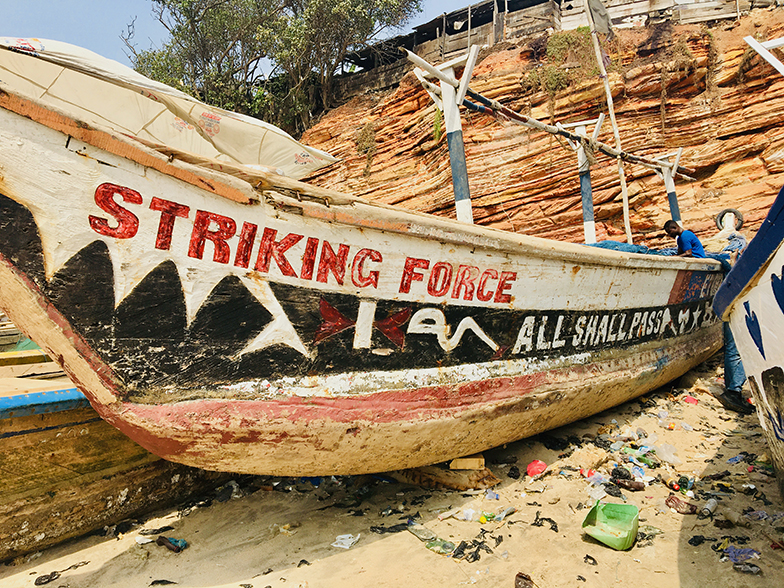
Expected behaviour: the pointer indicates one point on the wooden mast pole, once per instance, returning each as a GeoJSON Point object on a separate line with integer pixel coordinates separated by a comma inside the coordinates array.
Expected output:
{"type": "Point", "coordinates": [666, 173]}
{"type": "Point", "coordinates": [448, 96]}
{"type": "Point", "coordinates": [611, 109]}
{"type": "Point", "coordinates": [584, 171]}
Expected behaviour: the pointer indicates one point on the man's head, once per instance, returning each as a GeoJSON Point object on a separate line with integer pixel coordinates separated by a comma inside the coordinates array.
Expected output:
{"type": "Point", "coordinates": [672, 228]}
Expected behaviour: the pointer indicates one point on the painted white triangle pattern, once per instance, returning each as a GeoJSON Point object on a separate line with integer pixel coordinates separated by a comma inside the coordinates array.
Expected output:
{"type": "Point", "coordinates": [132, 263]}
{"type": "Point", "coordinates": [280, 330]}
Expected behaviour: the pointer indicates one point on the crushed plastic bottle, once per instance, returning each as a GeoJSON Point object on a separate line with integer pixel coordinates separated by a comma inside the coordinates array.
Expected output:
{"type": "Point", "coordinates": [597, 493]}
{"type": "Point", "coordinates": [420, 531]}
{"type": "Point", "coordinates": [666, 452]}
{"type": "Point", "coordinates": [633, 485]}
{"type": "Point", "coordinates": [441, 546]}
{"type": "Point", "coordinates": [596, 479]}
{"type": "Point", "coordinates": [505, 513]}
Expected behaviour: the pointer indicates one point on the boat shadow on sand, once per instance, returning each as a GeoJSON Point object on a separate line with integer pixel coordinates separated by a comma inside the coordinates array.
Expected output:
{"type": "Point", "coordinates": [264, 531]}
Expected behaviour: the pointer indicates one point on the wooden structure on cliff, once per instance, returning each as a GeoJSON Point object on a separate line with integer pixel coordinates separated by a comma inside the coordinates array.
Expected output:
{"type": "Point", "coordinates": [495, 21]}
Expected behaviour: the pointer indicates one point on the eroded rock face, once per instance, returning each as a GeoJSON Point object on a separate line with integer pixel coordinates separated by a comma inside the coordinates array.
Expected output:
{"type": "Point", "coordinates": [686, 86]}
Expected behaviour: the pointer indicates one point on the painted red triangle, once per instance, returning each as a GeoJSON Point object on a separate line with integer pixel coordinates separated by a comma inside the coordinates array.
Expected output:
{"type": "Point", "coordinates": [333, 322]}
{"type": "Point", "coordinates": [390, 326]}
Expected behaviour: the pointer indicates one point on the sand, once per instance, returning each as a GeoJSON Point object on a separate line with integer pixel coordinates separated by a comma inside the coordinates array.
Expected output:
{"type": "Point", "coordinates": [278, 532]}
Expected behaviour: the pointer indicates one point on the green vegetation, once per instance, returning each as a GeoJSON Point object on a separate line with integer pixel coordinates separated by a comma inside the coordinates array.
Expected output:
{"type": "Point", "coordinates": [216, 50]}
{"type": "Point", "coordinates": [366, 143]}
{"type": "Point", "coordinates": [571, 47]}
{"type": "Point", "coordinates": [437, 125]}
{"type": "Point", "coordinates": [569, 59]}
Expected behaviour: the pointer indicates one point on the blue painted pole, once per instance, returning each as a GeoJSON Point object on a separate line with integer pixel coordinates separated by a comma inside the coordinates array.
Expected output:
{"type": "Point", "coordinates": [672, 197]}
{"type": "Point", "coordinates": [586, 193]}
{"type": "Point", "coordinates": [457, 160]}
{"type": "Point", "coordinates": [666, 172]}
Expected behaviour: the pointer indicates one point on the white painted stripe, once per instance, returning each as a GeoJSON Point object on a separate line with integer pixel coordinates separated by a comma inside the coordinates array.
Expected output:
{"type": "Point", "coordinates": [363, 330]}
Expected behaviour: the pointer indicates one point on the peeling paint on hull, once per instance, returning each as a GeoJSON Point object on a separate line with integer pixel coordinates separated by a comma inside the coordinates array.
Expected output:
{"type": "Point", "coordinates": [68, 473]}
{"type": "Point", "coordinates": [751, 299]}
{"type": "Point", "coordinates": [315, 333]}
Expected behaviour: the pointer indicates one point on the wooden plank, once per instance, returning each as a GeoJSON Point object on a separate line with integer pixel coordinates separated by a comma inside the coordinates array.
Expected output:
{"type": "Point", "coordinates": [469, 462]}
{"type": "Point", "coordinates": [47, 450]}
{"type": "Point", "coordinates": [18, 386]}
{"type": "Point", "coordinates": [8, 358]}
{"type": "Point", "coordinates": [70, 509]}
{"type": "Point", "coordinates": [41, 370]}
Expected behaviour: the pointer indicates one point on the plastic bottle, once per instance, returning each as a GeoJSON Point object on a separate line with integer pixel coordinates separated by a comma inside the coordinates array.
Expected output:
{"type": "Point", "coordinates": [633, 485]}
{"type": "Point", "coordinates": [709, 508]}
{"type": "Point", "coordinates": [735, 518]}
{"type": "Point", "coordinates": [673, 484]}
{"type": "Point", "coordinates": [441, 546]}
{"type": "Point", "coordinates": [486, 516]}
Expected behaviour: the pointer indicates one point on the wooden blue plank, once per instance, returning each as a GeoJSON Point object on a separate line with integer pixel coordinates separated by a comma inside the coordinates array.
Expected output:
{"type": "Point", "coordinates": [32, 403]}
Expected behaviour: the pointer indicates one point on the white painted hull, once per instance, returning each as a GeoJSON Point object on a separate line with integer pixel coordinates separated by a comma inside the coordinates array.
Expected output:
{"type": "Point", "coordinates": [250, 323]}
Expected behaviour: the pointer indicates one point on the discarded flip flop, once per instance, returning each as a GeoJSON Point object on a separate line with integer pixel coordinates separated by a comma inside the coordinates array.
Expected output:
{"type": "Point", "coordinates": [680, 506]}
{"type": "Point", "coordinates": [46, 578]}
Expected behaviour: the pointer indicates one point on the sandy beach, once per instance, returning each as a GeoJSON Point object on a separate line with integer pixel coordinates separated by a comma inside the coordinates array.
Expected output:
{"type": "Point", "coordinates": [274, 532]}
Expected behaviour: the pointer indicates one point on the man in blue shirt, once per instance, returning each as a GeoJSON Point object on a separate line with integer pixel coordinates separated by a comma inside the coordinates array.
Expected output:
{"type": "Point", "coordinates": [688, 243]}
{"type": "Point", "coordinates": [734, 375]}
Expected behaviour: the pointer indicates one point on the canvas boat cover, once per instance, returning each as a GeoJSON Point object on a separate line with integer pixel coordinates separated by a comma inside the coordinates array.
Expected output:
{"type": "Point", "coordinates": [100, 91]}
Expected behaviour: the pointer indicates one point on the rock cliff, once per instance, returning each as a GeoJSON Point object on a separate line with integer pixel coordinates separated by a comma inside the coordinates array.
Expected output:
{"type": "Point", "coordinates": [687, 86]}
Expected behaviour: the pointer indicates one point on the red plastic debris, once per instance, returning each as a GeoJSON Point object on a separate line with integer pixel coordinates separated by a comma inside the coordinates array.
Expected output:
{"type": "Point", "coordinates": [679, 505]}
{"type": "Point", "coordinates": [690, 399]}
{"type": "Point", "coordinates": [536, 467]}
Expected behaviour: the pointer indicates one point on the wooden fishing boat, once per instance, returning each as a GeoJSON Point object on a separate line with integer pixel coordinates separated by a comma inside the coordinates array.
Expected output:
{"type": "Point", "coordinates": [66, 472]}
{"type": "Point", "coordinates": [10, 335]}
{"type": "Point", "coordinates": [751, 299]}
{"type": "Point", "coordinates": [236, 319]}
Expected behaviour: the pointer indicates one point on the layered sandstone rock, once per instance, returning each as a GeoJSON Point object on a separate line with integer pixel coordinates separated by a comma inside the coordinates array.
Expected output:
{"type": "Point", "coordinates": [685, 86]}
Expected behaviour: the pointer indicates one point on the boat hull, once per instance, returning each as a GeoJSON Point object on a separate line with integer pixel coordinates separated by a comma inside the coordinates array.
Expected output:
{"type": "Point", "coordinates": [752, 300]}
{"type": "Point", "coordinates": [269, 328]}
{"type": "Point", "coordinates": [67, 472]}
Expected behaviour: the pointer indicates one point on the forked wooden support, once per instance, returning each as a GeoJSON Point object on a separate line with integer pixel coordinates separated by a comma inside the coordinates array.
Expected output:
{"type": "Point", "coordinates": [584, 169]}
{"type": "Point", "coordinates": [448, 96]}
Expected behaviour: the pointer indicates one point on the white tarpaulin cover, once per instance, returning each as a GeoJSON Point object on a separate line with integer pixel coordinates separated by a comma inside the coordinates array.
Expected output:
{"type": "Point", "coordinates": [101, 91]}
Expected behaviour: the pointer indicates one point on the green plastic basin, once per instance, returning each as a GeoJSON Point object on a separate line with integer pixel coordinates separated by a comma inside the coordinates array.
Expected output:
{"type": "Point", "coordinates": [614, 525]}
